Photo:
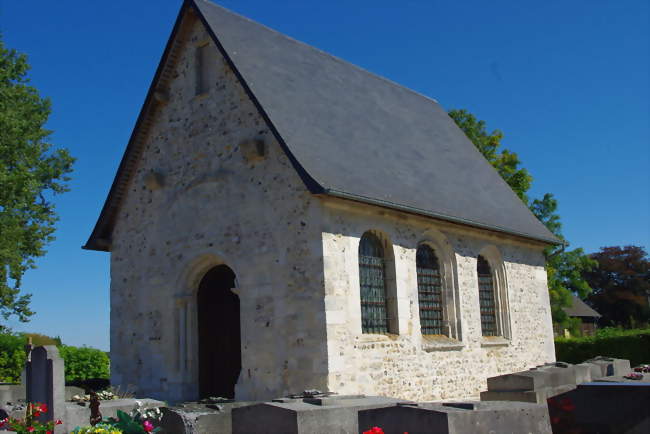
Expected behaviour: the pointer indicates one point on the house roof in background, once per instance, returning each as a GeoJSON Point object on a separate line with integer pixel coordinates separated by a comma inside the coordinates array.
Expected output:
{"type": "Point", "coordinates": [579, 308]}
{"type": "Point", "coordinates": [352, 134]}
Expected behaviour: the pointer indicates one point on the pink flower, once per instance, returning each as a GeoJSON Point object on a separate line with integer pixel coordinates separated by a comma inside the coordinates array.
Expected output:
{"type": "Point", "coordinates": [148, 426]}
{"type": "Point", "coordinates": [30, 429]}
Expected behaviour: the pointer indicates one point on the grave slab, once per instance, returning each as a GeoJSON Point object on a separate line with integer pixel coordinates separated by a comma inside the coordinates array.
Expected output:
{"type": "Point", "coordinates": [336, 414]}
{"type": "Point", "coordinates": [603, 407]}
{"type": "Point", "coordinates": [457, 418]}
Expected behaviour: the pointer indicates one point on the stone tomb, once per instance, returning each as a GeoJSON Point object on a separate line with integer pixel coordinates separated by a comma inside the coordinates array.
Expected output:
{"type": "Point", "coordinates": [545, 381]}
{"type": "Point", "coordinates": [616, 405]}
{"type": "Point", "coordinates": [459, 418]}
{"type": "Point", "coordinates": [351, 414]}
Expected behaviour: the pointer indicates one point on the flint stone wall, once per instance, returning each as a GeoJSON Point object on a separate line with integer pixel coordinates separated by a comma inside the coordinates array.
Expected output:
{"type": "Point", "coordinates": [215, 206]}
{"type": "Point", "coordinates": [410, 365]}
{"type": "Point", "coordinates": [198, 199]}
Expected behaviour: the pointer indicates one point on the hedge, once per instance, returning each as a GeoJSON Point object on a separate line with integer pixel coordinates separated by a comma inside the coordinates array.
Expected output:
{"type": "Point", "coordinates": [81, 363]}
{"type": "Point", "coordinates": [633, 345]}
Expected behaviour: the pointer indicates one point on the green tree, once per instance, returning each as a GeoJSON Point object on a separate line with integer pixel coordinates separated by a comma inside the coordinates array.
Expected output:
{"type": "Point", "coordinates": [31, 172]}
{"type": "Point", "coordinates": [565, 269]}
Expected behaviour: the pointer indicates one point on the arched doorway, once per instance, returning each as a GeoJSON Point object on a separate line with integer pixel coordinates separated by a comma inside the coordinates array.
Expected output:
{"type": "Point", "coordinates": [219, 334]}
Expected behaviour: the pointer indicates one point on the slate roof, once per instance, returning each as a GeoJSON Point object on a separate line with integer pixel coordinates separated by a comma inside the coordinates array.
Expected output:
{"type": "Point", "coordinates": [352, 134]}
{"type": "Point", "coordinates": [580, 309]}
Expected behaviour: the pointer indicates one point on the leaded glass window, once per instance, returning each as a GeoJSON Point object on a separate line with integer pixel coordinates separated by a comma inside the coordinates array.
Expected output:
{"type": "Point", "coordinates": [486, 297]}
{"type": "Point", "coordinates": [429, 291]}
{"type": "Point", "coordinates": [372, 279]}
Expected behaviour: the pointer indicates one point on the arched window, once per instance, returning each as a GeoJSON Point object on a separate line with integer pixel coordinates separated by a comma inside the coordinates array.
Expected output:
{"type": "Point", "coordinates": [372, 279]}
{"type": "Point", "coordinates": [487, 298]}
{"type": "Point", "coordinates": [429, 291]}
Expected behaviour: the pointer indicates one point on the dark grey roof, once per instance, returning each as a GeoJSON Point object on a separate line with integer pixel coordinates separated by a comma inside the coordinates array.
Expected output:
{"type": "Point", "coordinates": [580, 309]}
{"type": "Point", "coordinates": [361, 136]}
{"type": "Point", "coordinates": [352, 134]}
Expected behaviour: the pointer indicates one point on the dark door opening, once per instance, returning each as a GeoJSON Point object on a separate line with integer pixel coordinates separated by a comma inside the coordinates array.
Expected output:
{"type": "Point", "coordinates": [219, 334]}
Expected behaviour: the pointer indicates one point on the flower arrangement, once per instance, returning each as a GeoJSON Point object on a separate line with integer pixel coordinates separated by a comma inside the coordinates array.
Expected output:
{"type": "Point", "coordinates": [100, 428]}
{"type": "Point", "coordinates": [134, 423]}
{"type": "Point", "coordinates": [29, 424]}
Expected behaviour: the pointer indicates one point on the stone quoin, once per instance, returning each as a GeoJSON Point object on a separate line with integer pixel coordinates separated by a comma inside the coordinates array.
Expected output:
{"type": "Point", "coordinates": [283, 220]}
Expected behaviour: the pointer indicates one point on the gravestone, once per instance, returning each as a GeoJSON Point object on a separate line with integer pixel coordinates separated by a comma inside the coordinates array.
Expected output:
{"type": "Point", "coordinates": [46, 381]}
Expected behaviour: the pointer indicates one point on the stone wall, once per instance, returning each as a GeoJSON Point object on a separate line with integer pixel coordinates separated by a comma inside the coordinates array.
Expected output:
{"type": "Point", "coordinates": [198, 199]}
{"type": "Point", "coordinates": [409, 365]}
{"type": "Point", "coordinates": [201, 196]}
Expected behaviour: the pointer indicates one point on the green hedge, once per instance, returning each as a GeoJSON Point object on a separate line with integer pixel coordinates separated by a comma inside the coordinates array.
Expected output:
{"type": "Point", "coordinates": [81, 363]}
{"type": "Point", "coordinates": [12, 357]}
{"type": "Point", "coordinates": [633, 345]}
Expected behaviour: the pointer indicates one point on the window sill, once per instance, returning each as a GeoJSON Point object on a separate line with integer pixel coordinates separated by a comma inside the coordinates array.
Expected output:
{"type": "Point", "coordinates": [367, 338]}
{"type": "Point", "coordinates": [432, 343]}
{"type": "Point", "coordinates": [495, 341]}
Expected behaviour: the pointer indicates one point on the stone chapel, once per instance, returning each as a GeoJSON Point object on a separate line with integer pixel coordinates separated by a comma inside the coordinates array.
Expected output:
{"type": "Point", "coordinates": [283, 220]}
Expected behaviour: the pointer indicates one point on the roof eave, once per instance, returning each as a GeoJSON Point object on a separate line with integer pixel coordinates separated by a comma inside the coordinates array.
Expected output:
{"type": "Point", "coordinates": [439, 216]}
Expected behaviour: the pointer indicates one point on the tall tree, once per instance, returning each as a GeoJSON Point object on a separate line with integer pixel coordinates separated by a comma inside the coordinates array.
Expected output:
{"type": "Point", "coordinates": [564, 268]}
{"type": "Point", "coordinates": [621, 285]}
{"type": "Point", "coordinates": [31, 172]}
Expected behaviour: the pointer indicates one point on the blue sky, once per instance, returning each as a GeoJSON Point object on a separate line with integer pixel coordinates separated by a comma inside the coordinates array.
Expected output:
{"type": "Point", "coordinates": [566, 81]}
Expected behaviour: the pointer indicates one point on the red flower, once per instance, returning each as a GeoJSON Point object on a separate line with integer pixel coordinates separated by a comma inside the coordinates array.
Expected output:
{"type": "Point", "coordinates": [148, 426]}
{"type": "Point", "coordinates": [48, 432]}
{"type": "Point", "coordinates": [36, 413]}
{"type": "Point", "coordinates": [30, 429]}
{"type": "Point", "coordinates": [58, 422]}
{"type": "Point", "coordinates": [374, 430]}
{"type": "Point", "coordinates": [43, 408]}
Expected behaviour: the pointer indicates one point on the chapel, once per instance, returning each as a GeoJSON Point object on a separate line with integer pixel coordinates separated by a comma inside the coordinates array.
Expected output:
{"type": "Point", "coordinates": [283, 220]}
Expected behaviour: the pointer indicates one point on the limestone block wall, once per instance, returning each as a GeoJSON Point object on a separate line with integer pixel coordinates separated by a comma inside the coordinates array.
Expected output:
{"type": "Point", "coordinates": [407, 364]}
{"type": "Point", "coordinates": [208, 204]}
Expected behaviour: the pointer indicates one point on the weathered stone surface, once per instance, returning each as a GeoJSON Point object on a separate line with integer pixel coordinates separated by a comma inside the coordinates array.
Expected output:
{"type": "Point", "coordinates": [11, 392]}
{"type": "Point", "coordinates": [215, 208]}
{"type": "Point", "coordinates": [302, 418]}
{"type": "Point", "coordinates": [198, 418]}
{"type": "Point", "coordinates": [610, 366]}
{"type": "Point", "coordinates": [295, 257]}
{"type": "Point", "coordinates": [538, 396]}
{"type": "Point", "coordinates": [459, 418]}
{"type": "Point", "coordinates": [536, 378]}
